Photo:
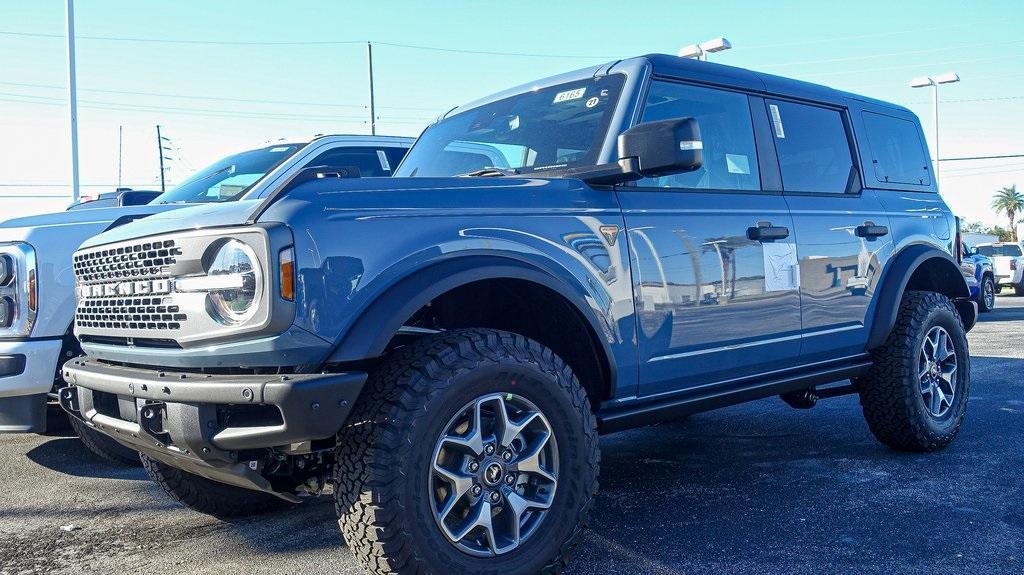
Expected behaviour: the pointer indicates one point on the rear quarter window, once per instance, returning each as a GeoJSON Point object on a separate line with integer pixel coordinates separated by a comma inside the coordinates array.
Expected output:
{"type": "Point", "coordinates": [897, 152]}
{"type": "Point", "coordinates": [1012, 250]}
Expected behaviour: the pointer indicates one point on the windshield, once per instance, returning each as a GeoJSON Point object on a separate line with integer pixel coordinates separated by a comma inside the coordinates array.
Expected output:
{"type": "Point", "coordinates": [1000, 250]}
{"type": "Point", "coordinates": [229, 178]}
{"type": "Point", "coordinates": [557, 127]}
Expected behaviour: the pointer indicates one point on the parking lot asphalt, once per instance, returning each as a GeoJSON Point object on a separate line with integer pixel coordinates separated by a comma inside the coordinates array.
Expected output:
{"type": "Point", "coordinates": [759, 488]}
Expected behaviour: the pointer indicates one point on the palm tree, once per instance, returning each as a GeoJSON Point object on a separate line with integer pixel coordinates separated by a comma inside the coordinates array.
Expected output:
{"type": "Point", "coordinates": [1008, 200]}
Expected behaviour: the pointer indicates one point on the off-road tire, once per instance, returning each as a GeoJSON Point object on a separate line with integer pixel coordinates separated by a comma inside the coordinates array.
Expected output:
{"type": "Point", "coordinates": [890, 393]}
{"type": "Point", "coordinates": [210, 497]}
{"type": "Point", "coordinates": [103, 446]}
{"type": "Point", "coordinates": [986, 280]}
{"type": "Point", "coordinates": [385, 449]}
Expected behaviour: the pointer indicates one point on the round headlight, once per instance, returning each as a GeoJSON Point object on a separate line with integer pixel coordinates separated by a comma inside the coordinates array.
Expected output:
{"type": "Point", "coordinates": [236, 296]}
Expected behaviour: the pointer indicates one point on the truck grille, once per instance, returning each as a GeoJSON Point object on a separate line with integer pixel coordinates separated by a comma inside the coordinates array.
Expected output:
{"type": "Point", "coordinates": [109, 278]}
{"type": "Point", "coordinates": [139, 261]}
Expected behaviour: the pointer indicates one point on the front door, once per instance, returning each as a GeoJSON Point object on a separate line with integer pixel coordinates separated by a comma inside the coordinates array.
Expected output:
{"type": "Point", "coordinates": [712, 254]}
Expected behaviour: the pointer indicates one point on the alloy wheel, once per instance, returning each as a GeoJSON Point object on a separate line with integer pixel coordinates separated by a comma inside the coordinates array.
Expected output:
{"type": "Point", "coordinates": [493, 474]}
{"type": "Point", "coordinates": [937, 365]}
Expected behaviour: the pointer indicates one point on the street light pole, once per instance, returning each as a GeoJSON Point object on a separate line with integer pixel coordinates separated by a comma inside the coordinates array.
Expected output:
{"type": "Point", "coordinates": [369, 62]}
{"type": "Point", "coordinates": [933, 82]}
{"type": "Point", "coordinates": [72, 101]}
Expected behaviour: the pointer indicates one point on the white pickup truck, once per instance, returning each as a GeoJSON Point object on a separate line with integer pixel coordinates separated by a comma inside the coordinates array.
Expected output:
{"type": "Point", "coordinates": [37, 286]}
{"type": "Point", "coordinates": [1008, 264]}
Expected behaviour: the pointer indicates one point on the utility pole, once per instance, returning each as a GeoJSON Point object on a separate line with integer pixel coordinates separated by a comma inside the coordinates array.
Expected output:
{"type": "Point", "coordinates": [72, 100]}
{"type": "Point", "coordinates": [369, 62]}
{"type": "Point", "coordinates": [120, 142]}
{"type": "Point", "coordinates": [160, 154]}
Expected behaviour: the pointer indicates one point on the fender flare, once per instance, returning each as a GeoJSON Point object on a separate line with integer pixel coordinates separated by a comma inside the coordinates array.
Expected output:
{"type": "Point", "coordinates": [378, 322]}
{"type": "Point", "coordinates": [894, 282]}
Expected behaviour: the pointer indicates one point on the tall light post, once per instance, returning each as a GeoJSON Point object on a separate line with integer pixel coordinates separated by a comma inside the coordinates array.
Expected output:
{"type": "Point", "coordinates": [72, 100]}
{"type": "Point", "coordinates": [933, 82]}
{"type": "Point", "coordinates": [701, 51]}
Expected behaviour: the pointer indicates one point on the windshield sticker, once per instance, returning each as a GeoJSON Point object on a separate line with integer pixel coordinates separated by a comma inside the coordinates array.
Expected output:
{"type": "Point", "coordinates": [280, 149]}
{"type": "Point", "coordinates": [777, 121]}
{"type": "Point", "coordinates": [570, 95]}
{"type": "Point", "coordinates": [384, 163]}
{"type": "Point", "coordinates": [593, 102]}
{"type": "Point", "coordinates": [737, 164]}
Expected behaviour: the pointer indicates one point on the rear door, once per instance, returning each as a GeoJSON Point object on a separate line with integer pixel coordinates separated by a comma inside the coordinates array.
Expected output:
{"type": "Point", "coordinates": [841, 229]}
{"type": "Point", "coordinates": [711, 251]}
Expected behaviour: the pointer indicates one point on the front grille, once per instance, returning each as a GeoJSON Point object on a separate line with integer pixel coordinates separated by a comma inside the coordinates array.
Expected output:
{"type": "Point", "coordinates": [103, 273]}
{"type": "Point", "coordinates": [145, 260]}
{"type": "Point", "coordinates": [130, 313]}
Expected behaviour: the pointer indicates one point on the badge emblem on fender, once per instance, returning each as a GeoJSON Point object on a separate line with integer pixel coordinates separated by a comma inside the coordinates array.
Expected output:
{"type": "Point", "coordinates": [610, 233]}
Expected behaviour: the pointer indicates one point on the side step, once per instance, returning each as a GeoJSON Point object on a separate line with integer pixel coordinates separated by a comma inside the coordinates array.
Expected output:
{"type": "Point", "coordinates": [645, 411]}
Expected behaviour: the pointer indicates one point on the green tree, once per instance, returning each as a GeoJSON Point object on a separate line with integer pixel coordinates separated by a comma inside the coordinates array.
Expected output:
{"type": "Point", "coordinates": [1011, 202]}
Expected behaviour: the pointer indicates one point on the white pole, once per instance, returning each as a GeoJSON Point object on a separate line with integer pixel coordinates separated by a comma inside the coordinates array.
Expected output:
{"type": "Point", "coordinates": [373, 114]}
{"type": "Point", "coordinates": [935, 128]}
{"type": "Point", "coordinates": [72, 100]}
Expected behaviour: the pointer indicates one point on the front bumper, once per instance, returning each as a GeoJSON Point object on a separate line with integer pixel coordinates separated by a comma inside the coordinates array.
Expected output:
{"type": "Point", "coordinates": [27, 368]}
{"type": "Point", "coordinates": [201, 422]}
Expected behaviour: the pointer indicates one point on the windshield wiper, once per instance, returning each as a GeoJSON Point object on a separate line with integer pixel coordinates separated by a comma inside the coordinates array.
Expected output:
{"type": "Point", "coordinates": [490, 172]}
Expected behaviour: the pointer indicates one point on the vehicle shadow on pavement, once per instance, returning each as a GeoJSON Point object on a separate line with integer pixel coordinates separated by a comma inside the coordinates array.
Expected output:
{"type": "Point", "coordinates": [764, 488]}
{"type": "Point", "coordinates": [1002, 314]}
{"type": "Point", "coordinates": [67, 455]}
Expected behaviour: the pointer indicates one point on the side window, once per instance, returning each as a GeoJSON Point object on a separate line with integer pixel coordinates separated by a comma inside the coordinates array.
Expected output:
{"type": "Point", "coordinates": [897, 151]}
{"type": "Point", "coordinates": [372, 162]}
{"type": "Point", "coordinates": [730, 157]}
{"type": "Point", "coordinates": [813, 148]}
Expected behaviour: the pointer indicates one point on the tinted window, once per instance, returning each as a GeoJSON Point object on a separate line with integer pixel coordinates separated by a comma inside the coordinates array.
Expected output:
{"type": "Point", "coordinates": [730, 158]}
{"type": "Point", "coordinates": [814, 152]}
{"type": "Point", "coordinates": [372, 162]}
{"type": "Point", "coordinates": [543, 129]}
{"type": "Point", "coordinates": [897, 151]}
{"type": "Point", "coordinates": [1000, 250]}
{"type": "Point", "coordinates": [229, 178]}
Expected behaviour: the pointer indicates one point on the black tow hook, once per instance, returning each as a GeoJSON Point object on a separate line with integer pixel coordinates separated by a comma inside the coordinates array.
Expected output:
{"type": "Point", "coordinates": [68, 398]}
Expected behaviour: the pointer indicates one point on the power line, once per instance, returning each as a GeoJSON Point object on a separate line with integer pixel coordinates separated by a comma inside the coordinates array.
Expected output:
{"type": "Point", "coordinates": [213, 98]}
{"type": "Point", "coordinates": [305, 43]}
{"type": "Point", "coordinates": [966, 158]}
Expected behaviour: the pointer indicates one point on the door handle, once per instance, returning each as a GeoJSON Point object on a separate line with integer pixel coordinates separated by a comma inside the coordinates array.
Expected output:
{"type": "Point", "coordinates": [870, 230]}
{"type": "Point", "coordinates": [765, 231]}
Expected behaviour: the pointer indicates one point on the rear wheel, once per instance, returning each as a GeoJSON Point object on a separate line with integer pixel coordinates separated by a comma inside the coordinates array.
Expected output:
{"type": "Point", "coordinates": [104, 446]}
{"type": "Point", "coordinates": [915, 395]}
{"type": "Point", "coordinates": [469, 452]}
{"type": "Point", "coordinates": [987, 294]}
{"type": "Point", "coordinates": [210, 497]}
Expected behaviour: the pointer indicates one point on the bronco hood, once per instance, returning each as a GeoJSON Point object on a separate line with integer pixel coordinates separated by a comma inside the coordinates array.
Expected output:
{"type": "Point", "coordinates": [192, 217]}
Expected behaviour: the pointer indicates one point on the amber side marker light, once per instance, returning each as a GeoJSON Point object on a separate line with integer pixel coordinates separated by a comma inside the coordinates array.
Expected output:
{"type": "Point", "coordinates": [32, 295]}
{"type": "Point", "coordinates": [287, 267]}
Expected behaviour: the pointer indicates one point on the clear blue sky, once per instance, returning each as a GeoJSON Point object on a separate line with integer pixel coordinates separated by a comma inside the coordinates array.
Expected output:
{"type": "Point", "coordinates": [241, 94]}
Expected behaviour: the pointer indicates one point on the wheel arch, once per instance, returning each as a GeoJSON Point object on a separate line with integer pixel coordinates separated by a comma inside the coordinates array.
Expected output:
{"type": "Point", "coordinates": [379, 322]}
{"type": "Point", "coordinates": [918, 267]}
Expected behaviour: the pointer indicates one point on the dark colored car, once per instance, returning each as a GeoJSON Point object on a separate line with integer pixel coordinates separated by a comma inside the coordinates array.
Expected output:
{"type": "Point", "coordinates": [600, 250]}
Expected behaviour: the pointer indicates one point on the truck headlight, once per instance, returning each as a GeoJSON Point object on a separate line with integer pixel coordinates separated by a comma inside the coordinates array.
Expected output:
{"type": "Point", "coordinates": [18, 297]}
{"type": "Point", "coordinates": [236, 283]}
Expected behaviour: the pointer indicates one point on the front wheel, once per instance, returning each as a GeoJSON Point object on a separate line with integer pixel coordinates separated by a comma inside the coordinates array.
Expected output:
{"type": "Point", "coordinates": [915, 395]}
{"type": "Point", "coordinates": [472, 451]}
{"type": "Point", "coordinates": [987, 294]}
{"type": "Point", "coordinates": [104, 446]}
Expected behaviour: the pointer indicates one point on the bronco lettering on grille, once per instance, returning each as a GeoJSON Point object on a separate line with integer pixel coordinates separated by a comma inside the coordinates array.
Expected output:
{"type": "Point", "coordinates": [144, 287]}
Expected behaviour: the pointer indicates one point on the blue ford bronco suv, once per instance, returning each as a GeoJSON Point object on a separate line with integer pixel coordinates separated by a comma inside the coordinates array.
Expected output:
{"type": "Point", "coordinates": [598, 250]}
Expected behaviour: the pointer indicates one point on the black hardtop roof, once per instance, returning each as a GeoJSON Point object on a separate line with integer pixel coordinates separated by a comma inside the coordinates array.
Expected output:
{"type": "Point", "coordinates": [742, 78]}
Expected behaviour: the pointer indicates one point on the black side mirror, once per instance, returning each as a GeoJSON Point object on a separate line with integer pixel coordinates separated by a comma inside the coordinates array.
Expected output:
{"type": "Point", "coordinates": [662, 148]}
{"type": "Point", "coordinates": [320, 173]}
{"type": "Point", "coordinates": [136, 197]}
